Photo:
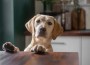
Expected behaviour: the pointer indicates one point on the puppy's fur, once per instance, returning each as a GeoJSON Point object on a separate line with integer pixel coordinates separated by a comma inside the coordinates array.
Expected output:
{"type": "Point", "coordinates": [44, 28]}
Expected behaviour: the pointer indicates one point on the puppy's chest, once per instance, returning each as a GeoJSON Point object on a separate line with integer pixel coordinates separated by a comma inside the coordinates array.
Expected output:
{"type": "Point", "coordinates": [42, 41]}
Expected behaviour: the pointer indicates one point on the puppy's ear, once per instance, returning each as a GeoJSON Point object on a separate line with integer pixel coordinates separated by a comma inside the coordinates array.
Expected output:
{"type": "Point", "coordinates": [29, 24]}
{"type": "Point", "coordinates": [57, 30]}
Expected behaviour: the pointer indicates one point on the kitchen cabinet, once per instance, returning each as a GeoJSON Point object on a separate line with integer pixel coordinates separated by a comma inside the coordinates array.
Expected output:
{"type": "Point", "coordinates": [85, 50]}
{"type": "Point", "coordinates": [68, 44]}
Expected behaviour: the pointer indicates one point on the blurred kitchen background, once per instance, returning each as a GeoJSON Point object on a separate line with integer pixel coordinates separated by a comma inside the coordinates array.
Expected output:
{"type": "Point", "coordinates": [73, 15]}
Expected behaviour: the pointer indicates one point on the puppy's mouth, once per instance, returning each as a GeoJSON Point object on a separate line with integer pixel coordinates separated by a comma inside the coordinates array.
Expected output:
{"type": "Point", "coordinates": [42, 34]}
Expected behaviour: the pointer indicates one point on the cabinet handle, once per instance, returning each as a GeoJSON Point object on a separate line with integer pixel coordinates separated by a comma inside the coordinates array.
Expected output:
{"type": "Point", "coordinates": [62, 43]}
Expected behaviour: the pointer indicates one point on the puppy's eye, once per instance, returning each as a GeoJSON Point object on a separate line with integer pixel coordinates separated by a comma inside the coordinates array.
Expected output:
{"type": "Point", "coordinates": [49, 23]}
{"type": "Point", "coordinates": [38, 21]}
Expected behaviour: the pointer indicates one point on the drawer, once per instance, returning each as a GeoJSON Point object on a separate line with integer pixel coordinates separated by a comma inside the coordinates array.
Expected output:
{"type": "Point", "coordinates": [67, 44]}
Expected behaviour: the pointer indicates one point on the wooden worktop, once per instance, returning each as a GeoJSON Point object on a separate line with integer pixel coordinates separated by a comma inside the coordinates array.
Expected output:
{"type": "Point", "coordinates": [28, 58]}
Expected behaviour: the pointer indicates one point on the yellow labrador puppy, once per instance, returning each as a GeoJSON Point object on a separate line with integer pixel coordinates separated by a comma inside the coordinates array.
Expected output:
{"type": "Point", "coordinates": [44, 28]}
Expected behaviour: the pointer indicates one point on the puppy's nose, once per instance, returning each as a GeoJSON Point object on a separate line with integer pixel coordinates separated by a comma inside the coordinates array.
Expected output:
{"type": "Point", "coordinates": [43, 29]}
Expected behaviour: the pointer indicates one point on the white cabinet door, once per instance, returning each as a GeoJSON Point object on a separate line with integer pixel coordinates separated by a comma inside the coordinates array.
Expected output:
{"type": "Point", "coordinates": [68, 44]}
{"type": "Point", "coordinates": [85, 50]}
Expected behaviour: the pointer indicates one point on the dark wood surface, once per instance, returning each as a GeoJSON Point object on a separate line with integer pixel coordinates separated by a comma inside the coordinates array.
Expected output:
{"type": "Point", "coordinates": [76, 33]}
{"type": "Point", "coordinates": [70, 33]}
{"type": "Point", "coordinates": [27, 58]}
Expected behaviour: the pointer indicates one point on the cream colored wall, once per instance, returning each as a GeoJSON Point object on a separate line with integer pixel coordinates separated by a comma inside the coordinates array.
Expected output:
{"type": "Point", "coordinates": [86, 5]}
{"type": "Point", "coordinates": [88, 17]}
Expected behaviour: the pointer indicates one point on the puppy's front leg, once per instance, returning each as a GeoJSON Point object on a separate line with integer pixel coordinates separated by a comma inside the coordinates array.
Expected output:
{"type": "Point", "coordinates": [9, 47]}
{"type": "Point", "coordinates": [38, 49]}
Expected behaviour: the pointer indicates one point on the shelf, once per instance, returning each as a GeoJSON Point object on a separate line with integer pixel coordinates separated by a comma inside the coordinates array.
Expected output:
{"type": "Point", "coordinates": [76, 33]}
{"type": "Point", "coordinates": [53, 13]}
{"type": "Point", "coordinates": [69, 33]}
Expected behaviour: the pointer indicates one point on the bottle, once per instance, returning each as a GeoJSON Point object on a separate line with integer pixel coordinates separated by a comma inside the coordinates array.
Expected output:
{"type": "Point", "coordinates": [78, 17]}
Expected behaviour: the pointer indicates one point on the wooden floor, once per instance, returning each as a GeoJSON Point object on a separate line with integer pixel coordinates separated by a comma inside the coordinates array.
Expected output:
{"type": "Point", "coordinates": [27, 58]}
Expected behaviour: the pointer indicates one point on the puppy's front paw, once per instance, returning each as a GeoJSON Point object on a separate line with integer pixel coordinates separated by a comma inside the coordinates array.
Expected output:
{"type": "Point", "coordinates": [9, 47]}
{"type": "Point", "coordinates": [38, 49]}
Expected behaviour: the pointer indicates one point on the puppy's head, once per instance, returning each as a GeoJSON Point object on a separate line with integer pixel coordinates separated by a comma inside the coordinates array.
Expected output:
{"type": "Point", "coordinates": [44, 26]}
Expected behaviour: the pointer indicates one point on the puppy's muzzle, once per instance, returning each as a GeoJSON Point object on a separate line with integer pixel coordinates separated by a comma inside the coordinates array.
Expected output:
{"type": "Point", "coordinates": [42, 29]}
{"type": "Point", "coordinates": [42, 32]}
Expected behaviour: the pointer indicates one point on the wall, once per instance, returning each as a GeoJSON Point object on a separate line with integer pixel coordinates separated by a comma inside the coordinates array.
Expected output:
{"type": "Point", "coordinates": [15, 13]}
{"type": "Point", "coordinates": [1, 30]}
{"type": "Point", "coordinates": [87, 17]}
{"type": "Point", "coordinates": [38, 7]}
{"type": "Point", "coordinates": [6, 21]}
{"type": "Point", "coordinates": [23, 11]}
{"type": "Point", "coordinates": [8, 25]}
